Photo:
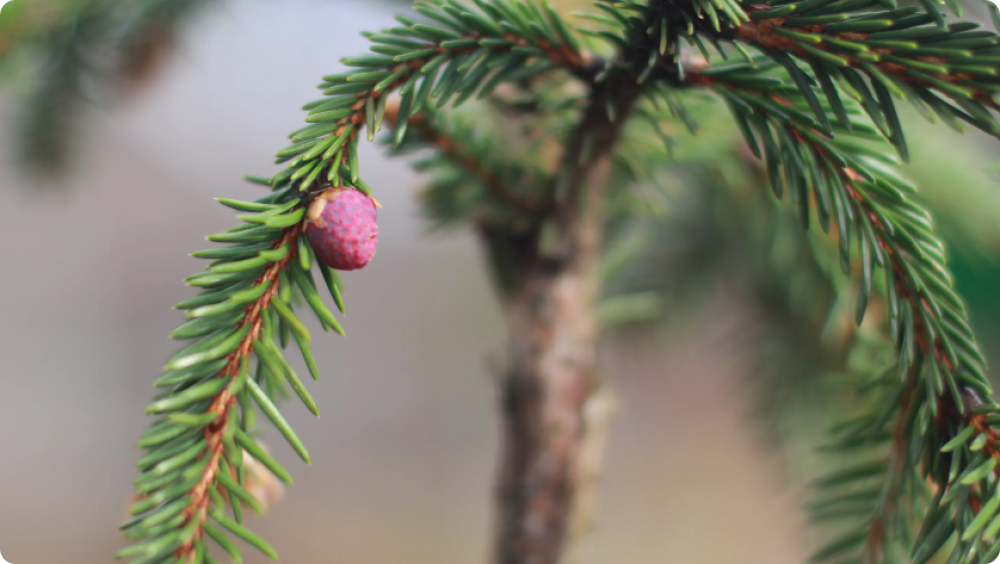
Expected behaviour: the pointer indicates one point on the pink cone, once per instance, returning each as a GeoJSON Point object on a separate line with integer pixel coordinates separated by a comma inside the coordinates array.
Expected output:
{"type": "Point", "coordinates": [348, 239]}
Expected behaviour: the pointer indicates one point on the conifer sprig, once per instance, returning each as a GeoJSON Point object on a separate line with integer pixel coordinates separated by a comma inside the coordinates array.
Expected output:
{"type": "Point", "coordinates": [460, 53]}
{"type": "Point", "coordinates": [933, 387]}
{"type": "Point", "coordinates": [903, 53]}
{"type": "Point", "coordinates": [874, 56]}
{"type": "Point", "coordinates": [213, 389]}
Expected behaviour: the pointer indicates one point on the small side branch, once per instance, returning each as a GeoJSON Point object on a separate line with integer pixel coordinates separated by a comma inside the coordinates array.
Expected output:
{"type": "Point", "coordinates": [452, 149]}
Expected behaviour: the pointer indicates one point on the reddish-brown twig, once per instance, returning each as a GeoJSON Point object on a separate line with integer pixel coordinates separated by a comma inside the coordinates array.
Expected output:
{"type": "Point", "coordinates": [200, 499]}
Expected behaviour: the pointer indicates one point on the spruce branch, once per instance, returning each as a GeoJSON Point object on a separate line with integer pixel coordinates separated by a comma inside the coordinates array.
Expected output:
{"type": "Point", "coordinates": [86, 52]}
{"type": "Point", "coordinates": [462, 53]}
{"type": "Point", "coordinates": [873, 56]}
{"type": "Point", "coordinates": [198, 505]}
{"type": "Point", "coordinates": [61, 86]}
{"type": "Point", "coordinates": [903, 53]}
{"type": "Point", "coordinates": [894, 231]}
{"type": "Point", "coordinates": [854, 188]}
{"type": "Point", "coordinates": [548, 290]}
{"type": "Point", "coordinates": [194, 466]}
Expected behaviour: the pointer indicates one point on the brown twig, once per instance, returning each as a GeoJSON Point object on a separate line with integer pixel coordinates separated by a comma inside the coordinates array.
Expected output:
{"type": "Point", "coordinates": [198, 507]}
{"type": "Point", "coordinates": [452, 150]}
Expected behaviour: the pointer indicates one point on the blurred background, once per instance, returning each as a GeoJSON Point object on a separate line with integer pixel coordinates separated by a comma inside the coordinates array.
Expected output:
{"type": "Point", "coordinates": [404, 455]}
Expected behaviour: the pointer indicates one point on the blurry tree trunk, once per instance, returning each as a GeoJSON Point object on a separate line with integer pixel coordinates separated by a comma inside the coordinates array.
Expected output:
{"type": "Point", "coordinates": [550, 288]}
{"type": "Point", "coordinates": [552, 356]}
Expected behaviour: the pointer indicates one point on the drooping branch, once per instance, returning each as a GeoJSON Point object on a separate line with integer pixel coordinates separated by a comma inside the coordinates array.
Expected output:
{"type": "Point", "coordinates": [197, 509]}
{"type": "Point", "coordinates": [935, 346]}
{"type": "Point", "coordinates": [194, 468]}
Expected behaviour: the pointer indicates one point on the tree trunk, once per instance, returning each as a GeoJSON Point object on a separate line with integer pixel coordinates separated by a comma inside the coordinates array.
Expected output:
{"type": "Point", "coordinates": [552, 350]}
{"type": "Point", "coordinates": [549, 287]}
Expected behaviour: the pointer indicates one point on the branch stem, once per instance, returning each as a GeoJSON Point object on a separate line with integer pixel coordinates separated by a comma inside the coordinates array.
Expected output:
{"type": "Point", "coordinates": [200, 499]}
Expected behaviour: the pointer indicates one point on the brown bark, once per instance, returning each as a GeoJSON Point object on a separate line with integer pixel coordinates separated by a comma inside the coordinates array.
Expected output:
{"type": "Point", "coordinates": [552, 332]}
{"type": "Point", "coordinates": [552, 355]}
